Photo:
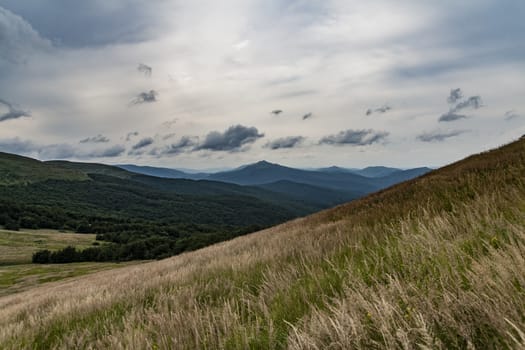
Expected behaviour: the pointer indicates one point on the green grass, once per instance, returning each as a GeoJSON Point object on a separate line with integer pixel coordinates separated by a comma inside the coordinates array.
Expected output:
{"type": "Point", "coordinates": [17, 247]}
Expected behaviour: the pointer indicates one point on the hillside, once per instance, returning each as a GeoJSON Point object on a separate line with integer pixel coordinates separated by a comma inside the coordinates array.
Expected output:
{"type": "Point", "coordinates": [16, 170]}
{"type": "Point", "coordinates": [437, 262]}
{"type": "Point", "coordinates": [144, 216]}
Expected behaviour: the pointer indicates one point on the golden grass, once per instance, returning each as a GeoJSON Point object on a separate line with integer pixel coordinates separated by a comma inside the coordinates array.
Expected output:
{"type": "Point", "coordinates": [438, 262]}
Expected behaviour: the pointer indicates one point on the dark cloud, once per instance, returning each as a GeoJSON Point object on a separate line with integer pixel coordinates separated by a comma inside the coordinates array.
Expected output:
{"type": "Point", "coordinates": [457, 104]}
{"type": "Point", "coordinates": [18, 40]}
{"type": "Point", "coordinates": [382, 109]}
{"type": "Point", "coordinates": [145, 69]}
{"type": "Point", "coordinates": [143, 143]}
{"type": "Point", "coordinates": [285, 142]}
{"type": "Point", "coordinates": [145, 97]}
{"type": "Point", "coordinates": [131, 134]}
{"type": "Point", "coordinates": [510, 115]}
{"type": "Point", "coordinates": [439, 136]}
{"type": "Point", "coordinates": [307, 115]}
{"type": "Point", "coordinates": [355, 137]}
{"type": "Point", "coordinates": [232, 139]}
{"type": "Point", "coordinates": [95, 139]}
{"type": "Point", "coordinates": [472, 102]}
{"type": "Point", "coordinates": [90, 23]}
{"type": "Point", "coordinates": [454, 96]}
{"type": "Point", "coordinates": [168, 136]}
{"type": "Point", "coordinates": [113, 151]}
{"type": "Point", "coordinates": [184, 144]}
{"type": "Point", "coordinates": [451, 116]}
{"type": "Point", "coordinates": [12, 112]}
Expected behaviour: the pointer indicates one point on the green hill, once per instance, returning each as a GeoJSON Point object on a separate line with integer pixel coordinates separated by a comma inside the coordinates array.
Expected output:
{"type": "Point", "coordinates": [144, 216]}
{"type": "Point", "coordinates": [16, 169]}
{"type": "Point", "coordinates": [434, 263]}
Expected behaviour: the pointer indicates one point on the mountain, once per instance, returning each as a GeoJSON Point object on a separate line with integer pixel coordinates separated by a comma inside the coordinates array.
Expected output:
{"type": "Point", "coordinates": [264, 172]}
{"type": "Point", "coordinates": [331, 178]}
{"type": "Point", "coordinates": [376, 171]}
{"type": "Point", "coordinates": [161, 172]}
{"type": "Point", "coordinates": [434, 262]}
{"type": "Point", "coordinates": [354, 182]}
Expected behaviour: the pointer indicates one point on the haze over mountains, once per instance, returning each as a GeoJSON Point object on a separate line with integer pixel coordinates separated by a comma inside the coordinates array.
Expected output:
{"type": "Point", "coordinates": [355, 181]}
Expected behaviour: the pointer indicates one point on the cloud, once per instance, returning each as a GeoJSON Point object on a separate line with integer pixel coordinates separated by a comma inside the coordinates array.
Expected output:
{"type": "Point", "coordinates": [145, 69]}
{"type": "Point", "coordinates": [143, 143]}
{"type": "Point", "coordinates": [299, 93]}
{"type": "Point", "coordinates": [145, 97]}
{"type": "Point", "coordinates": [276, 111]}
{"type": "Point", "coordinates": [285, 142]}
{"type": "Point", "coordinates": [168, 136]}
{"type": "Point", "coordinates": [307, 115]}
{"type": "Point", "coordinates": [473, 102]}
{"type": "Point", "coordinates": [439, 136]}
{"type": "Point", "coordinates": [455, 95]}
{"type": "Point", "coordinates": [18, 40]}
{"type": "Point", "coordinates": [281, 81]}
{"type": "Point", "coordinates": [92, 23]}
{"type": "Point", "coordinates": [17, 146]}
{"type": "Point", "coordinates": [131, 134]}
{"type": "Point", "coordinates": [113, 151]}
{"type": "Point", "coordinates": [450, 116]}
{"type": "Point", "coordinates": [11, 113]}
{"type": "Point", "coordinates": [184, 144]}
{"type": "Point", "coordinates": [510, 115]}
{"type": "Point", "coordinates": [232, 139]}
{"type": "Point", "coordinates": [95, 139]}
{"type": "Point", "coordinates": [170, 123]}
{"type": "Point", "coordinates": [355, 137]}
{"type": "Point", "coordinates": [454, 99]}
{"type": "Point", "coordinates": [57, 151]}
{"type": "Point", "coordinates": [382, 109]}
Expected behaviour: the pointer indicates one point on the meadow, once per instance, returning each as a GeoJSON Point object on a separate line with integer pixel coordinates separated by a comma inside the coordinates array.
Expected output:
{"type": "Point", "coordinates": [17, 273]}
{"type": "Point", "coordinates": [434, 263]}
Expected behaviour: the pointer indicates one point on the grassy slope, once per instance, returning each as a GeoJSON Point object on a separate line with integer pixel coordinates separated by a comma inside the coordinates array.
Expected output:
{"type": "Point", "coordinates": [438, 262]}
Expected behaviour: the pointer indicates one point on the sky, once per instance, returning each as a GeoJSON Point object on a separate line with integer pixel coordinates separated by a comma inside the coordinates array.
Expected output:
{"type": "Point", "coordinates": [211, 84]}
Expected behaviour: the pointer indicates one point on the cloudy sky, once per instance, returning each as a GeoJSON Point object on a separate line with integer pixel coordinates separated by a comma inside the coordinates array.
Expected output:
{"type": "Point", "coordinates": [214, 84]}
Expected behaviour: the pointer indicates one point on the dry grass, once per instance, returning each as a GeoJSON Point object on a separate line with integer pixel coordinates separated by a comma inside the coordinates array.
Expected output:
{"type": "Point", "coordinates": [433, 263]}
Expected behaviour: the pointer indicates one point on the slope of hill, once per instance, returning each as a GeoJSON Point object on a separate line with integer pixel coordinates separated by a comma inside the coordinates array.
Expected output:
{"type": "Point", "coordinates": [22, 170]}
{"type": "Point", "coordinates": [437, 262]}
{"type": "Point", "coordinates": [144, 216]}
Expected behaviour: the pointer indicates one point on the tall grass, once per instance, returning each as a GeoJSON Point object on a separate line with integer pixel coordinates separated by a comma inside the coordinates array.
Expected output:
{"type": "Point", "coordinates": [433, 263]}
